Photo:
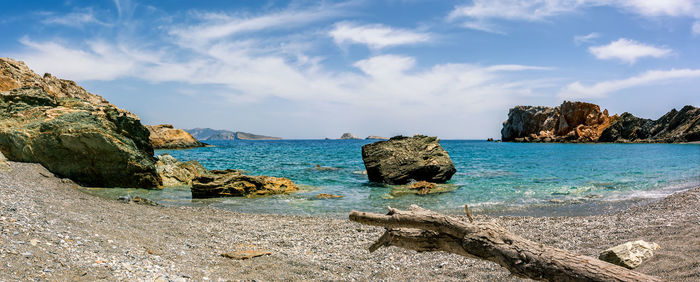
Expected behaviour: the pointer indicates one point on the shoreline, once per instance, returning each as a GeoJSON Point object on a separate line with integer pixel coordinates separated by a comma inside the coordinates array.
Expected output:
{"type": "Point", "coordinates": [52, 230]}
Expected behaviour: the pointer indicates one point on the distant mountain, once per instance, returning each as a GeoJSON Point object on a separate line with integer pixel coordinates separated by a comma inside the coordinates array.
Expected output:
{"type": "Point", "coordinates": [217, 134]}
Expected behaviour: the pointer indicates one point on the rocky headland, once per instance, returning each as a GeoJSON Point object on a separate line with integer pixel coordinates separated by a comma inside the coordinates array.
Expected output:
{"type": "Point", "coordinates": [218, 134]}
{"type": "Point", "coordinates": [585, 122]}
{"type": "Point", "coordinates": [401, 159]}
{"type": "Point", "coordinates": [71, 132]}
{"type": "Point", "coordinates": [165, 136]}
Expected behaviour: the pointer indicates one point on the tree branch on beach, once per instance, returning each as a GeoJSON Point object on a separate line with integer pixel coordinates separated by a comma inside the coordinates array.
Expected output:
{"type": "Point", "coordinates": [423, 230]}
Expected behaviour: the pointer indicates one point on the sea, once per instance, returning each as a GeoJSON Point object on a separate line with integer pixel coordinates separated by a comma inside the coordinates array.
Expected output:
{"type": "Point", "coordinates": [537, 179]}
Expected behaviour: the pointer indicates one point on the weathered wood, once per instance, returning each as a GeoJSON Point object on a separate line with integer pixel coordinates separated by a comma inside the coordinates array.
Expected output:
{"type": "Point", "coordinates": [425, 231]}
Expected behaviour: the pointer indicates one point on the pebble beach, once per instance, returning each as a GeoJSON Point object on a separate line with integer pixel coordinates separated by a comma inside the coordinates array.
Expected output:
{"type": "Point", "coordinates": [50, 230]}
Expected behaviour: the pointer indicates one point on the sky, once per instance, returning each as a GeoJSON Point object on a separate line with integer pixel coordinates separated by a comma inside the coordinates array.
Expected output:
{"type": "Point", "coordinates": [315, 69]}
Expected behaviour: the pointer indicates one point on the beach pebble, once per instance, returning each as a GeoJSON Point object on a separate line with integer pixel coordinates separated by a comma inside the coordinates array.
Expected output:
{"type": "Point", "coordinates": [630, 254]}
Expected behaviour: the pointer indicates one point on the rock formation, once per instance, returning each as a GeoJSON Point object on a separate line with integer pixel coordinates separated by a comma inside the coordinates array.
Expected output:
{"type": "Point", "coordinates": [630, 254]}
{"type": "Point", "coordinates": [402, 159]}
{"type": "Point", "coordinates": [233, 183]}
{"type": "Point", "coordinates": [374, 137]}
{"type": "Point", "coordinates": [4, 166]}
{"type": "Point", "coordinates": [572, 121]}
{"type": "Point", "coordinates": [674, 126]}
{"type": "Point", "coordinates": [71, 132]}
{"type": "Point", "coordinates": [165, 136]}
{"type": "Point", "coordinates": [349, 136]}
{"type": "Point", "coordinates": [215, 134]}
{"type": "Point", "coordinates": [176, 173]}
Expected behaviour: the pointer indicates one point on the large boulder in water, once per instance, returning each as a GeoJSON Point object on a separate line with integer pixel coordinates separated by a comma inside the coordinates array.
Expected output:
{"type": "Point", "coordinates": [73, 133]}
{"type": "Point", "coordinates": [165, 136]}
{"type": "Point", "coordinates": [177, 173]}
{"type": "Point", "coordinates": [233, 183]}
{"type": "Point", "coordinates": [402, 159]}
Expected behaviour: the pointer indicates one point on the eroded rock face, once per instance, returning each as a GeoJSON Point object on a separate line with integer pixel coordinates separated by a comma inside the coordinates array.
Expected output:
{"type": "Point", "coordinates": [674, 126]}
{"type": "Point", "coordinates": [176, 173]}
{"type": "Point", "coordinates": [571, 121]}
{"type": "Point", "coordinates": [630, 254]}
{"type": "Point", "coordinates": [233, 183]}
{"type": "Point", "coordinates": [402, 159]}
{"type": "Point", "coordinates": [73, 133]}
{"type": "Point", "coordinates": [165, 136]}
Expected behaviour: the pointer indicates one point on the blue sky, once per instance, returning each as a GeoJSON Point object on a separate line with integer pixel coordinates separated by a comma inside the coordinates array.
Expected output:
{"type": "Point", "coordinates": [314, 69]}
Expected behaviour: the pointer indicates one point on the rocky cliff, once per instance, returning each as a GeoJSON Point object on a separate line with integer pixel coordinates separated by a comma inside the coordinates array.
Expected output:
{"type": "Point", "coordinates": [165, 136]}
{"type": "Point", "coordinates": [674, 126]}
{"type": "Point", "coordinates": [584, 122]}
{"type": "Point", "coordinates": [569, 122]}
{"type": "Point", "coordinates": [71, 132]}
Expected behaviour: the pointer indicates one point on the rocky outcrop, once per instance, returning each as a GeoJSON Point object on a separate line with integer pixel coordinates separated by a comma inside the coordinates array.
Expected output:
{"type": "Point", "coordinates": [4, 166]}
{"type": "Point", "coordinates": [215, 134]}
{"type": "Point", "coordinates": [176, 173]}
{"type": "Point", "coordinates": [569, 122]}
{"type": "Point", "coordinates": [674, 126]}
{"type": "Point", "coordinates": [402, 159]}
{"type": "Point", "coordinates": [71, 132]}
{"type": "Point", "coordinates": [630, 254]}
{"type": "Point", "coordinates": [233, 183]}
{"type": "Point", "coordinates": [165, 136]}
{"type": "Point", "coordinates": [374, 137]}
{"type": "Point", "coordinates": [349, 136]}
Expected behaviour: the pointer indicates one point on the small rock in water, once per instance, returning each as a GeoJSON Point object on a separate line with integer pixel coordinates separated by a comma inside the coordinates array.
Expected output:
{"type": "Point", "coordinates": [630, 254]}
{"type": "Point", "coordinates": [247, 254]}
{"type": "Point", "coordinates": [327, 196]}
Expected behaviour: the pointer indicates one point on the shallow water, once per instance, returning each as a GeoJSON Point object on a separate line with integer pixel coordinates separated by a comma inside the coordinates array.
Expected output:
{"type": "Point", "coordinates": [499, 178]}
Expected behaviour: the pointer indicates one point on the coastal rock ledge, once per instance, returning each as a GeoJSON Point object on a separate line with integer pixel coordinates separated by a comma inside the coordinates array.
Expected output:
{"type": "Point", "coordinates": [585, 122]}
{"type": "Point", "coordinates": [233, 183]}
{"type": "Point", "coordinates": [165, 136]}
{"type": "Point", "coordinates": [402, 159]}
{"type": "Point", "coordinates": [71, 132]}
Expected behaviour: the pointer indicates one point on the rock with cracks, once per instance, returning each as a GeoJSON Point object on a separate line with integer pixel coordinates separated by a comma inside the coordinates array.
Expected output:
{"type": "Point", "coordinates": [233, 183]}
{"type": "Point", "coordinates": [402, 159]}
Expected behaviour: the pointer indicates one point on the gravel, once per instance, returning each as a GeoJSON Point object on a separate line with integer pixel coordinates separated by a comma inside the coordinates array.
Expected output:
{"type": "Point", "coordinates": [50, 230]}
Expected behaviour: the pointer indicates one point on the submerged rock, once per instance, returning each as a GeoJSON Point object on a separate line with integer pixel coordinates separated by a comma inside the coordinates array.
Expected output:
{"type": "Point", "coordinates": [349, 136]}
{"type": "Point", "coordinates": [165, 136]}
{"type": "Point", "coordinates": [233, 183]}
{"type": "Point", "coordinates": [630, 254]}
{"type": "Point", "coordinates": [176, 173]}
{"type": "Point", "coordinates": [71, 132]}
{"type": "Point", "coordinates": [328, 196]}
{"type": "Point", "coordinates": [423, 187]}
{"type": "Point", "coordinates": [402, 159]}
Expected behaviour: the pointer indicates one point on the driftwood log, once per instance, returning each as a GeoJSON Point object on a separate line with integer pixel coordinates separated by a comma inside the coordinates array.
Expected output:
{"type": "Point", "coordinates": [425, 231]}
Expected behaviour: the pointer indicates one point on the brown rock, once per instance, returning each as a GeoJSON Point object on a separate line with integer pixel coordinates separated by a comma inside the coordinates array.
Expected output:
{"type": "Point", "coordinates": [165, 136]}
{"type": "Point", "coordinates": [328, 196]}
{"type": "Point", "coordinates": [423, 187]}
{"type": "Point", "coordinates": [176, 173]}
{"type": "Point", "coordinates": [233, 183]}
{"type": "Point", "coordinates": [247, 254]}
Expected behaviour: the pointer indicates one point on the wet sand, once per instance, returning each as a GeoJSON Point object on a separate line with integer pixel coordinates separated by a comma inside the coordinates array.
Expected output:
{"type": "Point", "coordinates": [51, 230]}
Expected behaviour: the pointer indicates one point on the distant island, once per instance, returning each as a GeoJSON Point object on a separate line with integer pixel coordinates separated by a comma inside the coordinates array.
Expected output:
{"type": "Point", "coordinates": [350, 136]}
{"type": "Point", "coordinates": [219, 134]}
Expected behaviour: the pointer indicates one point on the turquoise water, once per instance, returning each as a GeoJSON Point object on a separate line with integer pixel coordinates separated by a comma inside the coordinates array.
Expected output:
{"type": "Point", "coordinates": [491, 177]}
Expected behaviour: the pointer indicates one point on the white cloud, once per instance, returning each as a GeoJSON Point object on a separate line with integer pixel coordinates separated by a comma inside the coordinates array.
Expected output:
{"type": "Point", "coordinates": [218, 25]}
{"type": "Point", "coordinates": [577, 90]}
{"type": "Point", "coordinates": [580, 39]}
{"type": "Point", "coordinates": [74, 19]}
{"type": "Point", "coordinates": [696, 28]}
{"type": "Point", "coordinates": [627, 51]}
{"type": "Point", "coordinates": [481, 14]}
{"type": "Point", "coordinates": [375, 36]}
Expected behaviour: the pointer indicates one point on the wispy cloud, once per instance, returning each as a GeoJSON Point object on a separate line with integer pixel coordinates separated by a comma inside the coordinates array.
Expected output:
{"type": "Point", "coordinates": [628, 51]}
{"type": "Point", "coordinates": [74, 19]}
{"type": "Point", "coordinates": [577, 90]}
{"type": "Point", "coordinates": [376, 36]}
{"type": "Point", "coordinates": [696, 28]}
{"type": "Point", "coordinates": [581, 39]}
{"type": "Point", "coordinates": [483, 14]}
